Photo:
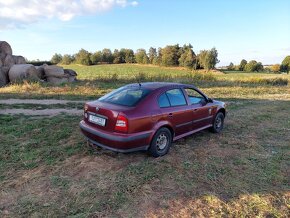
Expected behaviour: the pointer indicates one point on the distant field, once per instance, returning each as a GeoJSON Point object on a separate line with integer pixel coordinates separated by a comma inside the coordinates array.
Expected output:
{"type": "Point", "coordinates": [46, 169]}
{"type": "Point", "coordinates": [98, 80]}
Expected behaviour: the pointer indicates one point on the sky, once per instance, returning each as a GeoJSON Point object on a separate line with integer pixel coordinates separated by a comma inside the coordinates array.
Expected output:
{"type": "Point", "coordinates": [239, 29]}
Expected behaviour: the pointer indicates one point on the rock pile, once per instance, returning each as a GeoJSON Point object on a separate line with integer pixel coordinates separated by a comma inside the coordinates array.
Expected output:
{"type": "Point", "coordinates": [14, 69]}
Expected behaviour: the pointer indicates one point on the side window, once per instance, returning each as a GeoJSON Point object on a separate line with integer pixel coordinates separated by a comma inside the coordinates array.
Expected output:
{"type": "Point", "coordinates": [194, 96]}
{"type": "Point", "coordinates": [163, 101]}
{"type": "Point", "coordinates": [176, 97]}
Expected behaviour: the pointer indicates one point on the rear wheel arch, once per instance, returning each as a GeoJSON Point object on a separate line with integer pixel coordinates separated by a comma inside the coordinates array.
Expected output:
{"type": "Point", "coordinates": [169, 128]}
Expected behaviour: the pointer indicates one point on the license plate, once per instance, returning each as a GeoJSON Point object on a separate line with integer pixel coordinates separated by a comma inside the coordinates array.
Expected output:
{"type": "Point", "coordinates": [97, 120]}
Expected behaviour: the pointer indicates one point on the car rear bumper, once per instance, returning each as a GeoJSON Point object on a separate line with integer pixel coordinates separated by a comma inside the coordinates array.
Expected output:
{"type": "Point", "coordinates": [116, 141]}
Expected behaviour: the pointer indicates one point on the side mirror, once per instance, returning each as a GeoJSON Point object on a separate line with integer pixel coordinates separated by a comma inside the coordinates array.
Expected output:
{"type": "Point", "coordinates": [209, 100]}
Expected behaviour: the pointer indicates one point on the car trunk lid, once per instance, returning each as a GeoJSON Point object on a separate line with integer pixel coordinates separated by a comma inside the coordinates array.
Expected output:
{"type": "Point", "coordinates": [103, 115]}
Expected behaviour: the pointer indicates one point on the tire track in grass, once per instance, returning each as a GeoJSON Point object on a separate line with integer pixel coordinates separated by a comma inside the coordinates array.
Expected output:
{"type": "Point", "coordinates": [34, 112]}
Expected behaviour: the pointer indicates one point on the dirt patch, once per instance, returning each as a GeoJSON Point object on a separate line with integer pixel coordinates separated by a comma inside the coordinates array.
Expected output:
{"type": "Point", "coordinates": [45, 112]}
{"type": "Point", "coordinates": [36, 101]}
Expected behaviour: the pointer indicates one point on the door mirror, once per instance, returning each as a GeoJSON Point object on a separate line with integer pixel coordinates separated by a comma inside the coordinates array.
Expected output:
{"type": "Point", "coordinates": [209, 100]}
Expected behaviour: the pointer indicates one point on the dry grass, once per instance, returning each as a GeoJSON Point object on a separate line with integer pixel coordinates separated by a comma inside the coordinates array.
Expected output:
{"type": "Point", "coordinates": [46, 169]}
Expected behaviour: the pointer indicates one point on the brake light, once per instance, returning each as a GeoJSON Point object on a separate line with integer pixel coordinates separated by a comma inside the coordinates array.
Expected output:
{"type": "Point", "coordinates": [121, 124]}
{"type": "Point", "coordinates": [86, 107]}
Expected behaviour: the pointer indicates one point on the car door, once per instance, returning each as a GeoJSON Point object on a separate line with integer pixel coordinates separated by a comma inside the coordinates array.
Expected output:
{"type": "Point", "coordinates": [175, 109]}
{"type": "Point", "coordinates": [201, 110]}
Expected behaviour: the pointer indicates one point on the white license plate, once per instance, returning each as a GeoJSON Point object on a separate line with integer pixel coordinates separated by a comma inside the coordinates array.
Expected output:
{"type": "Point", "coordinates": [97, 120]}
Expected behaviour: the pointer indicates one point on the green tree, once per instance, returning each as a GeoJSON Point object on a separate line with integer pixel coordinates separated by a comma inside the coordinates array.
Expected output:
{"type": "Point", "coordinates": [259, 67]}
{"type": "Point", "coordinates": [158, 59]}
{"type": "Point", "coordinates": [107, 56]}
{"type": "Point", "coordinates": [242, 65]}
{"type": "Point", "coordinates": [67, 59]}
{"type": "Point", "coordinates": [187, 58]}
{"type": "Point", "coordinates": [231, 66]}
{"type": "Point", "coordinates": [170, 55]}
{"type": "Point", "coordinates": [96, 57]}
{"type": "Point", "coordinates": [129, 56]}
{"type": "Point", "coordinates": [285, 66]}
{"type": "Point", "coordinates": [141, 56]}
{"type": "Point", "coordinates": [251, 66]}
{"type": "Point", "coordinates": [83, 57]}
{"type": "Point", "coordinates": [208, 58]}
{"type": "Point", "coordinates": [152, 55]}
{"type": "Point", "coordinates": [117, 57]}
{"type": "Point", "coordinates": [56, 58]}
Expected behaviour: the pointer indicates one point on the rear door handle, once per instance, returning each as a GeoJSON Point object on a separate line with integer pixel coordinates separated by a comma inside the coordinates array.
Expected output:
{"type": "Point", "coordinates": [195, 109]}
{"type": "Point", "coordinates": [170, 115]}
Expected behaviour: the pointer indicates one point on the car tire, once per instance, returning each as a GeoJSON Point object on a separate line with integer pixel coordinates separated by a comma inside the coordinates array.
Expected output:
{"type": "Point", "coordinates": [161, 142]}
{"type": "Point", "coordinates": [218, 123]}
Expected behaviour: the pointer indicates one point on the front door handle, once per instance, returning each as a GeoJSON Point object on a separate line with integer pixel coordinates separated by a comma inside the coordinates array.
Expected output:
{"type": "Point", "coordinates": [195, 109]}
{"type": "Point", "coordinates": [170, 115]}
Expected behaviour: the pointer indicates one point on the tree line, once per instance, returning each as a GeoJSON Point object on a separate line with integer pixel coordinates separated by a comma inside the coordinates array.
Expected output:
{"type": "Point", "coordinates": [253, 66]}
{"type": "Point", "coordinates": [170, 55]}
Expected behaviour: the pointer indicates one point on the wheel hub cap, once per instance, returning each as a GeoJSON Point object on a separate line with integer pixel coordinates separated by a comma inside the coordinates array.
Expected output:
{"type": "Point", "coordinates": [218, 123]}
{"type": "Point", "coordinates": [161, 141]}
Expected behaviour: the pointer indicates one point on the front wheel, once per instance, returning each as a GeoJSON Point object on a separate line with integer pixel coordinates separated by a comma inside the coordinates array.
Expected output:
{"type": "Point", "coordinates": [218, 123]}
{"type": "Point", "coordinates": [161, 142]}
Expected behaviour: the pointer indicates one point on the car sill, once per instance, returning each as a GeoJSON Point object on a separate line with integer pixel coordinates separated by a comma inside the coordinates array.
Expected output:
{"type": "Point", "coordinates": [191, 132]}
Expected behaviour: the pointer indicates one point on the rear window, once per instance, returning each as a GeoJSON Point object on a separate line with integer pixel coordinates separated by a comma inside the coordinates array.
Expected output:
{"type": "Point", "coordinates": [163, 101]}
{"type": "Point", "coordinates": [125, 96]}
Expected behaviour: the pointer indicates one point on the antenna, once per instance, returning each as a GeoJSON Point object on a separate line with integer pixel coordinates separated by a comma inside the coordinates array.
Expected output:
{"type": "Point", "coordinates": [138, 80]}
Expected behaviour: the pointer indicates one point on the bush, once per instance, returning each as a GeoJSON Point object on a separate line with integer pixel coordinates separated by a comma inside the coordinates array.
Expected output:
{"type": "Point", "coordinates": [277, 82]}
{"type": "Point", "coordinates": [275, 68]}
{"type": "Point", "coordinates": [39, 63]}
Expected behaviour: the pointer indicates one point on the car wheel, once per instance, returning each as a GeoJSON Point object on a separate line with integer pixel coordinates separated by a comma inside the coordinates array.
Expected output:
{"type": "Point", "coordinates": [161, 142]}
{"type": "Point", "coordinates": [218, 123]}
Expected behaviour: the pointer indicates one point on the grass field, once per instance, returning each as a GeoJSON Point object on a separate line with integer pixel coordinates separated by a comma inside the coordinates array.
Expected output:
{"type": "Point", "coordinates": [46, 169]}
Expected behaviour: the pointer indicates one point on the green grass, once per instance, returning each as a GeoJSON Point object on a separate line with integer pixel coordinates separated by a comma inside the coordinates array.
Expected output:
{"type": "Point", "coordinates": [47, 170]}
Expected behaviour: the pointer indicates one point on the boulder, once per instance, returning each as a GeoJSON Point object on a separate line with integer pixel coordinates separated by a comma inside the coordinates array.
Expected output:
{"type": "Point", "coordinates": [20, 72]}
{"type": "Point", "coordinates": [57, 80]}
{"type": "Point", "coordinates": [5, 48]}
{"type": "Point", "coordinates": [70, 72]}
{"type": "Point", "coordinates": [8, 61]}
{"type": "Point", "coordinates": [3, 76]}
{"type": "Point", "coordinates": [40, 72]}
{"type": "Point", "coordinates": [19, 59]}
{"type": "Point", "coordinates": [72, 75]}
{"type": "Point", "coordinates": [53, 71]}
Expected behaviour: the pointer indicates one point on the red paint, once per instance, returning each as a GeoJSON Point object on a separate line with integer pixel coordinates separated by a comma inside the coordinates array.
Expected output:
{"type": "Point", "coordinates": [134, 127]}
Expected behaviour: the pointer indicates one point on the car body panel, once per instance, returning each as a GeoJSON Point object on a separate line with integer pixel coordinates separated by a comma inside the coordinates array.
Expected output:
{"type": "Point", "coordinates": [147, 117]}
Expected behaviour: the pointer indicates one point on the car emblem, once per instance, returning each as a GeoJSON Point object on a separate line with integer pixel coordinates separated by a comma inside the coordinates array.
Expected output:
{"type": "Point", "coordinates": [97, 108]}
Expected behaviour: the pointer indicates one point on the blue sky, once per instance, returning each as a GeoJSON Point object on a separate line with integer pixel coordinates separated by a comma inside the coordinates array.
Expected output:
{"type": "Point", "coordinates": [249, 29]}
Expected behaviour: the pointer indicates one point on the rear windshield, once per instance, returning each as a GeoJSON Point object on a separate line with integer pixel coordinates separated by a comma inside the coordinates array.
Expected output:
{"type": "Point", "coordinates": [125, 96]}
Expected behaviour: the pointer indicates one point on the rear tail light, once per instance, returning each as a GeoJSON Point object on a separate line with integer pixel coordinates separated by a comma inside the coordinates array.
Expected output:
{"type": "Point", "coordinates": [121, 124]}
{"type": "Point", "coordinates": [86, 107]}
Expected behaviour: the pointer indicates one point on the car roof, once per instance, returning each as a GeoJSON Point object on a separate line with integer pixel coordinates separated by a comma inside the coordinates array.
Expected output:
{"type": "Point", "coordinates": [159, 85]}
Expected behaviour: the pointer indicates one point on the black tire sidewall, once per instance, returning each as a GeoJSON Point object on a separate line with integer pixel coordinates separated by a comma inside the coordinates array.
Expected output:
{"type": "Point", "coordinates": [153, 148]}
{"type": "Point", "coordinates": [221, 115]}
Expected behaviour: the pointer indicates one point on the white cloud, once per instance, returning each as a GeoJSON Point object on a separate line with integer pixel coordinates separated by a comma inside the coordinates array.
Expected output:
{"type": "Point", "coordinates": [134, 3]}
{"type": "Point", "coordinates": [16, 13]}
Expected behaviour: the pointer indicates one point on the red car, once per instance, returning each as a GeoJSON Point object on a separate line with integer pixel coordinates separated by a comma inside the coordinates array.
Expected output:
{"type": "Point", "coordinates": [149, 116]}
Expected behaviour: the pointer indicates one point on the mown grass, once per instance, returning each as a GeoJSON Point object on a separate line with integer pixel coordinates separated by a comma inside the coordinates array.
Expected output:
{"type": "Point", "coordinates": [47, 170]}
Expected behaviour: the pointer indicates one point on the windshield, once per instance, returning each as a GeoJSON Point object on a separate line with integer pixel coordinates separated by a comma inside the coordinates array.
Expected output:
{"type": "Point", "coordinates": [126, 96]}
